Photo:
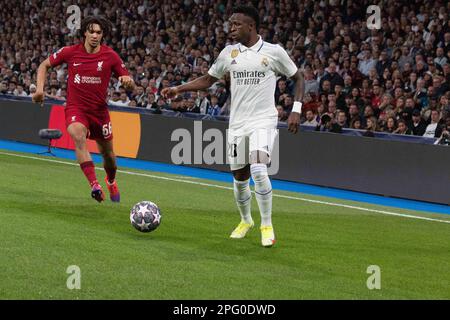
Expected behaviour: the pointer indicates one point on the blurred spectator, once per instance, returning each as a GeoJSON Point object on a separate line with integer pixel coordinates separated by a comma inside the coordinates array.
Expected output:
{"type": "Point", "coordinates": [433, 130]}
{"type": "Point", "coordinates": [444, 139]}
{"type": "Point", "coordinates": [311, 84]}
{"type": "Point", "coordinates": [203, 102]}
{"type": "Point", "coordinates": [402, 128]}
{"type": "Point", "coordinates": [332, 76]}
{"type": "Point", "coordinates": [151, 101]}
{"type": "Point", "coordinates": [391, 125]}
{"type": "Point", "coordinates": [161, 104]}
{"type": "Point", "coordinates": [282, 115]}
{"type": "Point", "coordinates": [191, 106]}
{"type": "Point", "coordinates": [288, 103]}
{"type": "Point", "coordinates": [328, 124]}
{"type": "Point", "coordinates": [383, 64]}
{"type": "Point", "coordinates": [386, 102]}
{"type": "Point", "coordinates": [353, 111]}
{"type": "Point", "coordinates": [371, 127]}
{"type": "Point", "coordinates": [176, 104]}
{"type": "Point", "coordinates": [53, 94]}
{"type": "Point", "coordinates": [356, 123]}
{"type": "Point", "coordinates": [366, 63]}
{"type": "Point", "coordinates": [20, 92]}
{"type": "Point", "coordinates": [405, 58]}
{"type": "Point", "coordinates": [221, 94]}
{"type": "Point", "coordinates": [114, 98]}
{"type": "Point", "coordinates": [342, 119]}
{"type": "Point", "coordinates": [32, 90]}
{"type": "Point", "coordinates": [418, 125]}
{"type": "Point", "coordinates": [214, 109]}
{"type": "Point", "coordinates": [325, 87]}
{"type": "Point", "coordinates": [123, 100]}
{"type": "Point", "coordinates": [310, 119]}
{"type": "Point", "coordinates": [347, 85]}
{"type": "Point", "coordinates": [139, 97]}
{"type": "Point", "coordinates": [281, 91]}
{"type": "Point", "coordinates": [340, 98]}
{"type": "Point", "coordinates": [376, 96]}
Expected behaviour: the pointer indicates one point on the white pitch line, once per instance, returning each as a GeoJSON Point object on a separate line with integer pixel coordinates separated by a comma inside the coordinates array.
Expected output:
{"type": "Point", "coordinates": [229, 188]}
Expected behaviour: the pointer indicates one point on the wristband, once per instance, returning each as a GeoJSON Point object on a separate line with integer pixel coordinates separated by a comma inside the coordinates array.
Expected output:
{"type": "Point", "coordinates": [297, 107]}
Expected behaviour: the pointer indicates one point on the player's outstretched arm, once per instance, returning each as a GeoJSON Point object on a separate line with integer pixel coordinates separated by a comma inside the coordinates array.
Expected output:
{"type": "Point", "coordinates": [200, 83]}
{"type": "Point", "coordinates": [294, 117]}
{"type": "Point", "coordinates": [38, 96]}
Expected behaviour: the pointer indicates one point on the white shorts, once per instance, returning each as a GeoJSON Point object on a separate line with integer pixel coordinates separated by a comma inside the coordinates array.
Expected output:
{"type": "Point", "coordinates": [259, 136]}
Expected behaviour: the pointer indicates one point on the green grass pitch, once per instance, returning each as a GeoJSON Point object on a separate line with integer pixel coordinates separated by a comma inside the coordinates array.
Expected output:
{"type": "Point", "coordinates": [48, 222]}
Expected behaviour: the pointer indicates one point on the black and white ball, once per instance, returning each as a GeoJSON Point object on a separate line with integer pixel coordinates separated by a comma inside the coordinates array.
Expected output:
{"type": "Point", "coordinates": [145, 216]}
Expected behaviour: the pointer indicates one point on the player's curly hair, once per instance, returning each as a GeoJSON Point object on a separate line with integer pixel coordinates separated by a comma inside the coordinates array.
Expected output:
{"type": "Point", "coordinates": [249, 11]}
{"type": "Point", "coordinates": [104, 24]}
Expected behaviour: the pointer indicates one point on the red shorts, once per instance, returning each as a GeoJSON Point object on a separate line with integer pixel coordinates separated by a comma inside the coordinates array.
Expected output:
{"type": "Point", "coordinates": [98, 125]}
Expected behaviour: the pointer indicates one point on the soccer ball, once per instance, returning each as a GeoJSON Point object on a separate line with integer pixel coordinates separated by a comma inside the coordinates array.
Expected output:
{"type": "Point", "coordinates": [145, 216]}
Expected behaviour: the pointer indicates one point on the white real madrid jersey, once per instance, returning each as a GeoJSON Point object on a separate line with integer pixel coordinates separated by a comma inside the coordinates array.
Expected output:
{"type": "Point", "coordinates": [253, 73]}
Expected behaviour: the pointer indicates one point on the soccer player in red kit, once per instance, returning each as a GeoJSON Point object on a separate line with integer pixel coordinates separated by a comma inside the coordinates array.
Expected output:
{"type": "Point", "coordinates": [90, 65]}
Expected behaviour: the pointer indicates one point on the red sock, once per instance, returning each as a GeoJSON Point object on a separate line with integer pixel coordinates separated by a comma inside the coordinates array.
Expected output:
{"type": "Point", "coordinates": [110, 173]}
{"type": "Point", "coordinates": [89, 171]}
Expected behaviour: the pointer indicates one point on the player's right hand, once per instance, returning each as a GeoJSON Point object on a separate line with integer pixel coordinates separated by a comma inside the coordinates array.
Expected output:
{"type": "Point", "coordinates": [293, 122]}
{"type": "Point", "coordinates": [169, 92]}
{"type": "Point", "coordinates": [38, 97]}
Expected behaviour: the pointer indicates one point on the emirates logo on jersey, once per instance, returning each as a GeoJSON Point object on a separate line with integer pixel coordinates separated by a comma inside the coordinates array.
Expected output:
{"type": "Point", "coordinates": [99, 66]}
{"type": "Point", "coordinates": [246, 77]}
{"type": "Point", "coordinates": [77, 78]}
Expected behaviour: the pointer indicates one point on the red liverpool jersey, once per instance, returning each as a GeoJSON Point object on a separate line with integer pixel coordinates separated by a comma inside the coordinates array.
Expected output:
{"type": "Point", "coordinates": [88, 75]}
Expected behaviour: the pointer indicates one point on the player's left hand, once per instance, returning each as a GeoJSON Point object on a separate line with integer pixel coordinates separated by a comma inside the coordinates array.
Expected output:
{"type": "Point", "coordinates": [293, 122]}
{"type": "Point", "coordinates": [127, 82]}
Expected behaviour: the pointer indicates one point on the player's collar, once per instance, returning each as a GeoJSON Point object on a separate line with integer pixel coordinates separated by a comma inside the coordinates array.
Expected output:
{"type": "Point", "coordinates": [256, 47]}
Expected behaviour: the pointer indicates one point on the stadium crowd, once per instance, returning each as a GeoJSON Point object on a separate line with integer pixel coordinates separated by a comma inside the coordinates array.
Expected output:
{"type": "Point", "coordinates": [396, 79]}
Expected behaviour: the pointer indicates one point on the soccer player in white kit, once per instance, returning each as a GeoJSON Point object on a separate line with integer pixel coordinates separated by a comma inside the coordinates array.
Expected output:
{"type": "Point", "coordinates": [253, 66]}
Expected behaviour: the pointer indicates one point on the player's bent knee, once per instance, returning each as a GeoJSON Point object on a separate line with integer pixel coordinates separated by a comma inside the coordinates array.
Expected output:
{"type": "Point", "coordinates": [261, 178]}
{"type": "Point", "coordinates": [78, 133]}
{"type": "Point", "coordinates": [79, 140]}
{"type": "Point", "coordinates": [109, 155]}
{"type": "Point", "coordinates": [258, 169]}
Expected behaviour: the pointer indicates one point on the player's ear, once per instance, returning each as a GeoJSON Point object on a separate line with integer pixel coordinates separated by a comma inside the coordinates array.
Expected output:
{"type": "Point", "coordinates": [251, 24]}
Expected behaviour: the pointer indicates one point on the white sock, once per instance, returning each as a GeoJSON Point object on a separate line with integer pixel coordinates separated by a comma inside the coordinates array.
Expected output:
{"type": "Point", "coordinates": [243, 196]}
{"type": "Point", "coordinates": [263, 192]}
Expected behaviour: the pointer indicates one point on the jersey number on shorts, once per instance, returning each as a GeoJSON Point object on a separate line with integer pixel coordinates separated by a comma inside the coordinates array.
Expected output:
{"type": "Point", "coordinates": [107, 129]}
{"type": "Point", "coordinates": [233, 150]}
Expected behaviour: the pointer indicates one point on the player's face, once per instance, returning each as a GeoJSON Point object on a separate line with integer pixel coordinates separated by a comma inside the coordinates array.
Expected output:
{"type": "Point", "coordinates": [240, 27]}
{"type": "Point", "coordinates": [93, 35]}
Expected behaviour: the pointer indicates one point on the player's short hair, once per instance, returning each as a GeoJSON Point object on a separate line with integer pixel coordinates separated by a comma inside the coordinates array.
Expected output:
{"type": "Point", "coordinates": [89, 21]}
{"type": "Point", "coordinates": [249, 11]}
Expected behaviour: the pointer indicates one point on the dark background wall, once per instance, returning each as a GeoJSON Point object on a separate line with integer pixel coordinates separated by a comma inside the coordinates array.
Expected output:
{"type": "Point", "coordinates": [391, 168]}
{"type": "Point", "coordinates": [21, 121]}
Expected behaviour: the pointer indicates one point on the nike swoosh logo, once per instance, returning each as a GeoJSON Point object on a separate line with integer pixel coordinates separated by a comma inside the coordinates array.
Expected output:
{"type": "Point", "coordinates": [76, 64]}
